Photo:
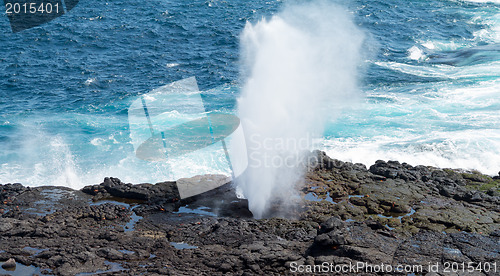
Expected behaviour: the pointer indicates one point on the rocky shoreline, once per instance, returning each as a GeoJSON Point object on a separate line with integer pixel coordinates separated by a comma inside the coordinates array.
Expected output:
{"type": "Point", "coordinates": [390, 213]}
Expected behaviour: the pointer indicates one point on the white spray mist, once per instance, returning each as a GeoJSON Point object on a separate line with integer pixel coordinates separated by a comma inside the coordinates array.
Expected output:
{"type": "Point", "coordinates": [299, 68]}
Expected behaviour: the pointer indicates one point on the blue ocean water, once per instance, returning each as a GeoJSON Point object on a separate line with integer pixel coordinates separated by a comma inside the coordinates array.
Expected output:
{"type": "Point", "coordinates": [430, 80]}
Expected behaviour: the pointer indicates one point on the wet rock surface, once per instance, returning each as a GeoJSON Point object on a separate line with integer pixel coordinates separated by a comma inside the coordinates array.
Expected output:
{"type": "Point", "coordinates": [390, 213]}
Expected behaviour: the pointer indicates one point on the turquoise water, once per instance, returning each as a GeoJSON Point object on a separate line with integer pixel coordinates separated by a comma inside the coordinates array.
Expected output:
{"type": "Point", "coordinates": [433, 91]}
{"type": "Point", "coordinates": [430, 84]}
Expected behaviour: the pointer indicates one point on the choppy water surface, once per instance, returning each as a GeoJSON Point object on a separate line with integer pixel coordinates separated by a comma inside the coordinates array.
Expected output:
{"type": "Point", "coordinates": [430, 84]}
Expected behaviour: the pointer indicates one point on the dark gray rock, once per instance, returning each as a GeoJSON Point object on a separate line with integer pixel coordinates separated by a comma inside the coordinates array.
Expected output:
{"type": "Point", "coordinates": [390, 213]}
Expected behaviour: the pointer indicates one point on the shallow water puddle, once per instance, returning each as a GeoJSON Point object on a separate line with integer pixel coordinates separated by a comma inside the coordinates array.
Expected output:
{"type": "Point", "coordinates": [313, 197]}
{"type": "Point", "coordinates": [115, 267]}
{"type": "Point", "coordinates": [118, 201]}
{"type": "Point", "coordinates": [43, 208]}
{"type": "Point", "coordinates": [21, 270]}
{"type": "Point", "coordinates": [47, 205]}
{"type": "Point", "coordinates": [202, 210]}
{"type": "Point", "coordinates": [412, 211]}
{"type": "Point", "coordinates": [34, 251]}
{"type": "Point", "coordinates": [134, 218]}
{"type": "Point", "coordinates": [182, 245]}
{"type": "Point", "coordinates": [101, 202]}
{"type": "Point", "coordinates": [452, 251]}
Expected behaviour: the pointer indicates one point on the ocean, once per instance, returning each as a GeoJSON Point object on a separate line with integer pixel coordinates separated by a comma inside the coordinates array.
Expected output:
{"type": "Point", "coordinates": [429, 82]}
